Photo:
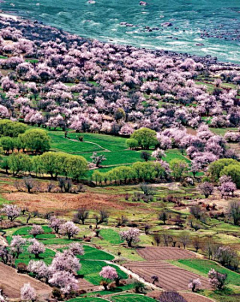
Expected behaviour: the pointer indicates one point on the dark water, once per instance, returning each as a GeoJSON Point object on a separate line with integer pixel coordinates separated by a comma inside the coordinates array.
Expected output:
{"type": "Point", "coordinates": [214, 23]}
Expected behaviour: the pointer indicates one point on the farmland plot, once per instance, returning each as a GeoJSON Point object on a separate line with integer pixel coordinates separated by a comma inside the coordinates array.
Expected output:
{"type": "Point", "coordinates": [165, 253]}
{"type": "Point", "coordinates": [12, 282]}
{"type": "Point", "coordinates": [170, 276]}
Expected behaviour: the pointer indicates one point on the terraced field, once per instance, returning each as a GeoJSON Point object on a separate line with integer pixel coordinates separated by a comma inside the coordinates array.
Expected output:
{"type": "Point", "coordinates": [165, 253]}
{"type": "Point", "coordinates": [13, 284]}
{"type": "Point", "coordinates": [170, 276]}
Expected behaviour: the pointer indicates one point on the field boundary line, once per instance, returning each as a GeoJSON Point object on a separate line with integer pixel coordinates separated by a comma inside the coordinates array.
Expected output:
{"type": "Point", "coordinates": [75, 140]}
{"type": "Point", "coordinates": [134, 275]}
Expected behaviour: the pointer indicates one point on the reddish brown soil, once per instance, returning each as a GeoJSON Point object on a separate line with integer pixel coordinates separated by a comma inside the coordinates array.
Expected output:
{"type": "Point", "coordinates": [188, 296]}
{"type": "Point", "coordinates": [191, 297]}
{"type": "Point", "coordinates": [11, 282]}
{"type": "Point", "coordinates": [45, 202]}
{"type": "Point", "coordinates": [170, 277]}
{"type": "Point", "coordinates": [87, 286]}
{"type": "Point", "coordinates": [164, 253]}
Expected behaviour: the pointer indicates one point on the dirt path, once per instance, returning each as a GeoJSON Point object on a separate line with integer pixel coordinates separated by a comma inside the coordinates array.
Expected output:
{"type": "Point", "coordinates": [134, 275]}
{"type": "Point", "coordinates": [99, 146]}
{"type": "Point", "coordinates": [12, 282]}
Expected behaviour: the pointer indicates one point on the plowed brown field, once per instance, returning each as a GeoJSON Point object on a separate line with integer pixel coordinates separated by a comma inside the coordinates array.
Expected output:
{"type": "Point", "coordinates": [11, 282]}
{"type": "Point", "coordinates": [165, 253]}
{"type": "Point", "coordinates": [65, 203]}
{"type": "Point", "coordinates": [170, 277]}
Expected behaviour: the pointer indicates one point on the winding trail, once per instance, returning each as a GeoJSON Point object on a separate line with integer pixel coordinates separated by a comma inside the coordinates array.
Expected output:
{"type": "Point", "coordinates": [99, 146]}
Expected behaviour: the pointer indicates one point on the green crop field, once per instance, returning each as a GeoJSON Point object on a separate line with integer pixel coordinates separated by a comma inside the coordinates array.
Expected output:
{"type": "Point", "coordinates": [114, 148]}
{"type": "Point", "coordinates": [202, 267]}
{"type": "Point", "coordinates": [91, 269]}
{"type": "Point", "coordinates": [111, 236]}
{"type": "Point", "coordinates": [222, 131]}
{"type": "Point", "coordinates": [87, 300]}
{"type": "Point", "coordinates": [91, 253]}
{"type": "Point", "coordinates": [131, 298]}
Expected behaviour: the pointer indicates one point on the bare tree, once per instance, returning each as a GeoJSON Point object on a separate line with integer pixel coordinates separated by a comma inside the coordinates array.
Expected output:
{"type": "Point", "coordinates": [184, 239]}
{"type": "Point", "coordinates": [196, 211]}
{"type": "Point", "coordinates": [28, 183]}
{"type": "Point", "coordinates": [101, 218]}
{"type": "Point", "coordinates": [147, 229]}
{"type": "Point", "coordinates": [121, 221]}
{"type": "Point", "coordinates": [163, 216]}
{"type": "Point", "coordinates": [50, 187]}
{"type": "Point", "coordinates": [196, 243]}
{"type": "Point", "coordinates": [210, 247]}
{"type": "Point", "coordinates": [234, 212]}
{"type": "Point", "coordinates": [81, 215]}
{"type": "Point", "coordinates": [166, 239]}
{"type": "Point", "coordinates": [157, 239]}
{"type": "Point", "coordinates": [147, 189]}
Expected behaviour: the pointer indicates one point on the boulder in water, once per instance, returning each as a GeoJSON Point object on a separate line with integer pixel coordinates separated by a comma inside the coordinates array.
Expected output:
{"type": "Point", "coordinates": [167, 24]}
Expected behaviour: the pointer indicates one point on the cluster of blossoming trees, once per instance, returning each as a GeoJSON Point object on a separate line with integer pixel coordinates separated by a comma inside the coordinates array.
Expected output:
{"type": "Point", "coordinates": [114, 89]}
{"type": "Point", "coordinates": [62, 271]}
{"type": "Point", "coordinates": [52, 79]}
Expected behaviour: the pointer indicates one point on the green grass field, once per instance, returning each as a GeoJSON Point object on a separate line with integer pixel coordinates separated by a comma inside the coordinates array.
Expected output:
{"type": "Point", "coordinates": [202, 267]}
{"type": "Point", "coordinates": [25, 257]}
{"type": "Point", "coordinates": [131, 298]}
{"type": "Point", "coordinates": [91, 269]}
{"type": "Point", "coordinates": [222, 131]}
{"type": "Point", "coordinates": [116, 298]}
{"type": "Point", "coordinates": [114, 148]}
{"type": "Point", "coordinates": [111, 236]}
{"type": "Point", "coordinates": [87, 300]}
{"type": "Point", "coordinates": [91, 253]}
{"type": "Point", "coordinates": [25, 231]}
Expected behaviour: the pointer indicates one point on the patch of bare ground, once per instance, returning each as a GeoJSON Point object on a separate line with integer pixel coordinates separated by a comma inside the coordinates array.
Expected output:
{"type": "Point", "coordinates": [11, 282]}
{"type": "Point", "coordinates": [191, 297]}
{"type": "Point", "coordinates": [66, 202]}
{"type": "Point", "coordinates": [164, 253]}
{"type": "Point", "coordinates": [222, 203]}
{"type": "Point", "coordinates": [87, 286]}
{"type": "Point", "coordinates": [170, 277]}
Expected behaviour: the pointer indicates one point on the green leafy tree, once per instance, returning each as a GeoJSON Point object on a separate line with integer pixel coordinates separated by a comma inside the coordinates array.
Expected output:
{"type": "Point", "coordinates": [97, 177]}
{"type": "Point", "coordinates": [132, 143]}
{"type": "Point", "coordinates": [49, 163]}
{"type": "Point", "coordinates": [233, 171]}
{"type": "Point", "coordinates": [37, 165]}
{"type": "Point", "coordinates": [18, 143]}
{"type": "Point", "coordinates": [178, 167]}
{"type": "Point", "coordinates": [216, 167]}
{"type": "Point", "coordinates": [11, 129]}
{"type": "Point", "coordinates": [19, 162]}
{"type": "Point", "coordinates": [75, 166]}
{"type": "Point", "coordinates": [36, 140]}
{"type": "Point", "coordinates": [125, 173]}
{"type": "Point", "coordinates": [7, 144]}
{"type": "Point", "coordinates": [5, 164]}
{"type": "Point", "coordinates": [144, 171]}
{"type": "Point", "coordinates": [145, 138]}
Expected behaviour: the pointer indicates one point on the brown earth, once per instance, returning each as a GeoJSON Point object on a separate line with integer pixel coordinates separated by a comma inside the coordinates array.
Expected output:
{"type": "Point", "coordinates": [164, 253]}
{"type": "Point", "coordinates": [188, 296]}
{"type": "Point", "coordinates": [11, 282]}
{"type": "Point", "coordinates": [87, 286]}
{"type": "Point", "coordinates": [191, 297]}
{"type": "Point", "coordinates": [170, 277]}
{"type": "Point", "coordinates": [65, 202]}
